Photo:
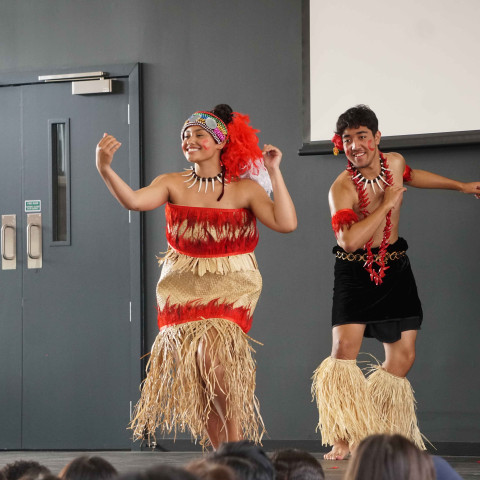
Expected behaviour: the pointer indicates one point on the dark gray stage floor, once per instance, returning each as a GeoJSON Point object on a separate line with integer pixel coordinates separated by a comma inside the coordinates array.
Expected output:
{"type": "Point", "coordinates": [467, 467]}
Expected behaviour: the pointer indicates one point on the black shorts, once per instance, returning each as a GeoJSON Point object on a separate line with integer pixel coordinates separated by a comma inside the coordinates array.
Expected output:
{"type": "Point", "coordinates": [387, 309]}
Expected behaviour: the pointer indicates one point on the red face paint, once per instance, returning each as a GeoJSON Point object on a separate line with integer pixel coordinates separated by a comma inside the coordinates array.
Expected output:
{"type": "Point", "coordinates": [370, 146]}
{"type": "Point", "coordinates": [205, 145]}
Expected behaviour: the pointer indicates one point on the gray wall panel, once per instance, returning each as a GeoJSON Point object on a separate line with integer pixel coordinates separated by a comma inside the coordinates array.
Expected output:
{"type": "Point", "coordinates": [248, 53]}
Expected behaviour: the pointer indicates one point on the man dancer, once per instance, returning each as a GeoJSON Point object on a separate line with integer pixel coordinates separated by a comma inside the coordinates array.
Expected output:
{"type": "Point", "coordinates": [374, 291]}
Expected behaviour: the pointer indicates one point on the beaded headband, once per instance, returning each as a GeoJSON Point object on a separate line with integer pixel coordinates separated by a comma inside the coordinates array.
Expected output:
{"type": "Point", "coordinates": [209, 122]}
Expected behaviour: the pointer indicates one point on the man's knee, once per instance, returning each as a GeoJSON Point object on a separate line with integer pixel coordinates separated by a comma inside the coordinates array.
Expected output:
{"type": "Point", "coordinates": [400, 363]}
{"type": "Point", "coordinates": [406, 356]}
{"type": "Point", "coordinates": [409, 357]}
{"type": "Point", "coordinates": [345, 348]}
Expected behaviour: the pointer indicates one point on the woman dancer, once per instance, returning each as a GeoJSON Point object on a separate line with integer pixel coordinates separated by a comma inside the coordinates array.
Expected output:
{"type": "Point", "coordinates": [201, 373]}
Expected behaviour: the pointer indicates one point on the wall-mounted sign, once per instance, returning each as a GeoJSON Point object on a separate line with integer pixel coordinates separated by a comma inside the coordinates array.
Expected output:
{"type": "Point", "coordinates": [33, 206]}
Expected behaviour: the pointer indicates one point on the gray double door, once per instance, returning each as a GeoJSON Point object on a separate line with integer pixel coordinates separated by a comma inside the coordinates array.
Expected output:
{"type": "Point", "coordinates": [69, 346]}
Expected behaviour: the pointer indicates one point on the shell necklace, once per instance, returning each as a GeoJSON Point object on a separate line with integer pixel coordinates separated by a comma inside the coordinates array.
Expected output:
{"type": "Point", "coordinates": [194, 178]}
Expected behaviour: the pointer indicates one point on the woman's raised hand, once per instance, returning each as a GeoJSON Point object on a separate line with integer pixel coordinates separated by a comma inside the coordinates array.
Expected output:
{"type": "Point", "coordinates": [106, 148]}
{"type": "Point", "coordinates": [271, 156]}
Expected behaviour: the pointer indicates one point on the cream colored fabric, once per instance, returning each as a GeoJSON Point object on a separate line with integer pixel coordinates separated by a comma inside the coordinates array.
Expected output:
{"type": "Point", "coordinates": [178, 285]}
{"type": "Point", "coordinates": [199, 266]}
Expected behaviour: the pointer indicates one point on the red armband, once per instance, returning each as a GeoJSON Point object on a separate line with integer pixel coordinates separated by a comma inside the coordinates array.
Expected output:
{"type": "Point", "coordinates": [342, 218]}
{"type": "Point", "coordinates": [407, 174]}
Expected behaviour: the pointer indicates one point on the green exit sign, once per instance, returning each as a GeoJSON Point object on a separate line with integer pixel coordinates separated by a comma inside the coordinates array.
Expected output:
{"type": "Point", "coordinates": [33, 206]}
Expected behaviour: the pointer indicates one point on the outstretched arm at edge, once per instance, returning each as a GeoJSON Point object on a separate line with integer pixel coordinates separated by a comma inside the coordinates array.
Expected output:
{"type": "Point", "coordinates": [425, 179]}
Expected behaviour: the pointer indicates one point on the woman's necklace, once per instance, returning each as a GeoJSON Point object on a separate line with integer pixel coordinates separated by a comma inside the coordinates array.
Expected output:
{"type": "Point", "coordinates": [361, 184]}
{"type": "Point", "coordinates": [194, 178]}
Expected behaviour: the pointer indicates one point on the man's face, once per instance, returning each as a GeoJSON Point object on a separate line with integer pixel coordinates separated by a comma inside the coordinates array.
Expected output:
{"type": "Point", "coordinates": [361, 146]}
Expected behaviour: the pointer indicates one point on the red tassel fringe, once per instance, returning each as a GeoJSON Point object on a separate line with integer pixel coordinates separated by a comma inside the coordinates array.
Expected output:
{"type": "Point", "coordinates": [342, 218]}
{"type": "Point", "coordinates": [194, 310]}
{"type": "Point", "coordinates": [235, 229]}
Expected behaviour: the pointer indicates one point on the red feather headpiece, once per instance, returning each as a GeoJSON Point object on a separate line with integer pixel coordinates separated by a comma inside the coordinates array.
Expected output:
{"type": "Point", "coordinates": [241, 153]}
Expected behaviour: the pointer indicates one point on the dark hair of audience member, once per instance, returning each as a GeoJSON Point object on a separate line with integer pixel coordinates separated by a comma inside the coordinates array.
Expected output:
{"type": "Point", "coordinates": [160, 472]}
{"type": "Point", "coordinates": [293, 464]}
{"type": "Point", "coordinates": [389, 457]}
{"type": "Point", "coordinates": [15, 470]}
{"type": "Point", "coordinates": [208, 470]}
{"type": "Point", "coordinates": [249, 462]}
{"type": "Point", "coordinates": [88, 468]}
{"type": "Point", "coordinates": [37, 476]}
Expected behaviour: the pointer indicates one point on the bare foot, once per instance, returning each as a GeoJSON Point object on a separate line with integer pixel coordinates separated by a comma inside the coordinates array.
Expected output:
{"type": "Point", "coordinates": [339, 451]}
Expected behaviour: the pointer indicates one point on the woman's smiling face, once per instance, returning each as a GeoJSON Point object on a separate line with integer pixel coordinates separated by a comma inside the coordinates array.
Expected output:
{"type": "Point", "coordinates": [198, 144]}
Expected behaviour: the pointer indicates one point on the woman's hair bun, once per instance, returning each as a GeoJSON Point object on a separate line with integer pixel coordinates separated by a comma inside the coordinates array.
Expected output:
{"type": "Point", "coordinates": [224, 112]}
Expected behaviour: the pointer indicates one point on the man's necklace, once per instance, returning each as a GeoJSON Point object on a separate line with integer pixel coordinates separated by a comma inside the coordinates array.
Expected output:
{"type": "Point", "coordinates": [361, 184]}
{"type": "Point", "coordinates": [377, 179]}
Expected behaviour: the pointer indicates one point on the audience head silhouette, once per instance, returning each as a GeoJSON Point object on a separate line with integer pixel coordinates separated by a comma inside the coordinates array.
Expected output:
{"type": "Point", "coordinates": [389, 457]}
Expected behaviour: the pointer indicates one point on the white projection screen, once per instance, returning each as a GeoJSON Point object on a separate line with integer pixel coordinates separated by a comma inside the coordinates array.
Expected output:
{"type": "Point", "coordinates": [416, 63]}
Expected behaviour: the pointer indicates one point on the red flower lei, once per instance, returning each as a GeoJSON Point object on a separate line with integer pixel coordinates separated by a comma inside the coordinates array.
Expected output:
{"type": "Point", "coordinates": [375, 275]}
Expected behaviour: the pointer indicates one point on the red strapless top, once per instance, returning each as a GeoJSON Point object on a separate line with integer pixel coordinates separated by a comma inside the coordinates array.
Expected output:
{"type": "Point", "coordinates": [210, 232]}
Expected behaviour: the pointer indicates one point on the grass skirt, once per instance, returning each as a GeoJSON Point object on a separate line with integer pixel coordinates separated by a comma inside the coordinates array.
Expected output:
{"type": "Point", "coordinates": [177, 394]}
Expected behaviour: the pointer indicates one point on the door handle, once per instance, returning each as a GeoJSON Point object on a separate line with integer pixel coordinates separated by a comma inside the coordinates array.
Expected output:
{"type": "Point", "coordinates": [4, 243]}
{"type": "Point", "coordinates": [9, 250]}
{"type": "Point", "coordinates": [29, 240]}
{"type": "Point", "coordinates": [34, 240]}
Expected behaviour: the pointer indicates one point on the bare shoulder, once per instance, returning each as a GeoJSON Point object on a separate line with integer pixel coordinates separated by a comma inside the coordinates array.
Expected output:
{"type": "Point", "coordinates": [395, 159]}
{"type": "Point", "coordinates": [246, 185]}
{"type": "Point", "coordinates": [341, 184]}
{"type": "Point", "coordinates": [166, 178]}
{"type": "Point", "coordinates": [246, 190]}
{"type": "Point", "coordinates": [342, 193]}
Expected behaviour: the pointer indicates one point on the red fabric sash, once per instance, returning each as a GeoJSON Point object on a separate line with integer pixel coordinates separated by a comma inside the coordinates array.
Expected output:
{"type": "Point", "coordinates": [194, 310]}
